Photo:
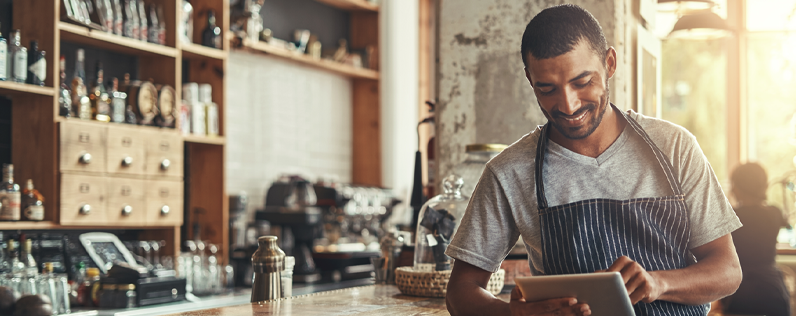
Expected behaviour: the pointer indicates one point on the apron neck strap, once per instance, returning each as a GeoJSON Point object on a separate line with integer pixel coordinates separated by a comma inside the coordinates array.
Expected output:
{"type": "Point", "coordinates": [541, 148]}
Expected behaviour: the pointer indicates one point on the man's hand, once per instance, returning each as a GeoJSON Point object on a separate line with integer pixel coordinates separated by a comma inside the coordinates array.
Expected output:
{"type": "Point", "coordinates": [556, 306]}
{"type": "Point", "coordinates": [640, 284]}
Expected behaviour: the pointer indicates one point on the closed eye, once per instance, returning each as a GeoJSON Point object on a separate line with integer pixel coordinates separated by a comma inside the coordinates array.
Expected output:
{"type": "Point", "coordinates": [581, 86]}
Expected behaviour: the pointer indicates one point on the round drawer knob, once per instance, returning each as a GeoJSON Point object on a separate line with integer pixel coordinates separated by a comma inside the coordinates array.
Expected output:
{"type": "Point", "coordinates": [164, 165]}
{"type": "Point", "coordinates": [164, 210]}
{"type": "Point", "coordinates": [85, 209]}
{"type": "Point", "coordinates": [85, 158]}
{"type": "Point", "coordinates": [127, 161]}
{"type": "Point", "coordinates": [174, 293]}
{"type": "Point", "coordinates": [127, 210]}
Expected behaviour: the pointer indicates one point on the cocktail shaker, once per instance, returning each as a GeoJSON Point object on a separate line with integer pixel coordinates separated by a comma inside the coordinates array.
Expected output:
{"type": "Point", "coordinates": [268, 262]}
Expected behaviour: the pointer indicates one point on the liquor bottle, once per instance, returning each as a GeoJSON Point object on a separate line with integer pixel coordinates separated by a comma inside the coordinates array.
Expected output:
{"type": "Point", "coordinates": [10, 196]}
{"type": "Point", "coordinates": [16, 265]}
{"type": "Point", "coordinates": [100, 105]}
{"type": "Point", "coordinates": [64, 95]}
{"type": "Point", "coordinates": [154, 25]}
{"type": "Point", "coordinates": [31, 268]}
{"type": "Point", "coordinates": [80, 102]}
{"type": "Point", "coordinates": [118, 17]}
{"type": "Point", "coordinates": [33, 203]}
{"type": "Point", "coordinates": [105, 12]}
{"type": "Point", "coordinates": [144, 27]}
{"type": "Point", "coordinates": [47, 285]}
{"type": "Point", "coordinates": [118, 103]}
{"type": "Point", "coordinates": [3, 58]}
{"type": "Point", "coordinates": [211, 36]}
{"type": "Point", "coordinates": [162, 27]}
{"type": "Point", "coordinates": [5, 265]}
{"type": "Point", "coordinates": [37, 65]}
{"type": "Point", "coordinates": [131, 19]}
{"type": "Point", "coordinates": [17, 59]}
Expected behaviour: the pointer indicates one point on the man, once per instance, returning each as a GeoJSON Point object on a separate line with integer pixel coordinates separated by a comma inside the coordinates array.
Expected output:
{"type": "Point", "coordinates": [593, 190]}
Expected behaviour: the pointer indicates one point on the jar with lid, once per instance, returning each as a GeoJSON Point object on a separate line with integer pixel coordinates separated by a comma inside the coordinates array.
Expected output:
{"type": "Point", "coordinates": [107, 296]}
{"type": "Point", "coordinates": [475, 163]}
{"type": "Point", "coordinates": [437, 223]}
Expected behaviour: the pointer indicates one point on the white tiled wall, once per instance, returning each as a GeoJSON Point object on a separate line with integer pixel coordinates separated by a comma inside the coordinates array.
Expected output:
{"type": "Point", "coordinates": [283, 117]}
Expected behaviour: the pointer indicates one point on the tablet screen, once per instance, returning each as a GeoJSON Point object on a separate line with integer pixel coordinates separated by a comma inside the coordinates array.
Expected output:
{"type": "Point", "coordinates": [605, 293]}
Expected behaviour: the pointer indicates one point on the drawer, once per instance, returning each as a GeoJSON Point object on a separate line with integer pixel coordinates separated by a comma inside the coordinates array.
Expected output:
{"type": "Point", "coordinates": [125, 150]}
{"type": "Point", "coordinates": [164, 202]}
{"type": "Point", "coordinates": [82, 147]}
{"type": "Point", "coordinates": [126, 202]}
{"type": "Point", "coordinates": [164, 153]}
{"type": "Point", "coordinates": [83, 200]}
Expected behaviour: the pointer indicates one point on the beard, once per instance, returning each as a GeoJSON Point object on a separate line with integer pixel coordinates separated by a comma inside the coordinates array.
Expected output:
{"type": "Point", "coordinates": [583, 131]}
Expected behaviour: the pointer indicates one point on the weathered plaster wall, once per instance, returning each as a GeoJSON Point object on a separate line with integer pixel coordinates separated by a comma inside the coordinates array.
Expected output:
{"type": "Point", "coordinates": [484, 96]}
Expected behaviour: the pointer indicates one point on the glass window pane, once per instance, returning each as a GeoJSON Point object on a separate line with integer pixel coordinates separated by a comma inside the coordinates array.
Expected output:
{"type": "Point", "coordinates": [770, 15]}
{"type": "Point", "coordinates": [694, 84]}
{"type": "Point", "coordinates": [772, 106]}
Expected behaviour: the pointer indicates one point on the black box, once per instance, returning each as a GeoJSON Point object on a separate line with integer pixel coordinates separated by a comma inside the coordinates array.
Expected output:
{"type": "Point", "coordinates": [151, 291]}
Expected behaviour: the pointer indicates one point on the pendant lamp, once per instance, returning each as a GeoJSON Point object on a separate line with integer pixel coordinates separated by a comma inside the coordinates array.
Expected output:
{"type": "Point", "coordinates": [700, 25]}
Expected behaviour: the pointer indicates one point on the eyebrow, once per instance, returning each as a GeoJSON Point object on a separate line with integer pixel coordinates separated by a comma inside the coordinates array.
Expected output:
{"type": "Point", "coordinates": [578, 77]}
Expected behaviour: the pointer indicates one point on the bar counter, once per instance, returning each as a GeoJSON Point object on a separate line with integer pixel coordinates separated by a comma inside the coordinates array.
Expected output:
{"type": "Point", "coordinates": [363, 300]}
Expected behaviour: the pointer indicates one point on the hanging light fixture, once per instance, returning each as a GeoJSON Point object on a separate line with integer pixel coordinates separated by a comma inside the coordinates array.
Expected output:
{"type": "Point", "coordinates": [684, 5]}
{"type": "Point", "coordinates": [701, 25]}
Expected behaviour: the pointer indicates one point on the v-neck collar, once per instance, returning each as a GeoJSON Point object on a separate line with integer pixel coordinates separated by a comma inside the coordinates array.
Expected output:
{"type": "Point", "coordinates": [556, 149]}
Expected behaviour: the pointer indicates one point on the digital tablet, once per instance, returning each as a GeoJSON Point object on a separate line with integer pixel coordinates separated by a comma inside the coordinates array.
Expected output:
{"type": "Point", "coordinates": [604, 292]}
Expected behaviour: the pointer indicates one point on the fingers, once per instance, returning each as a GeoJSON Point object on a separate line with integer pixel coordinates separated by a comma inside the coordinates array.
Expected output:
{"type": "Point", "coordinates": [552, 304]}
{"type": "Point", "coordinates": [516, 295]}
{"type": "Point", "coordinates": [638, 288]}
{"type": "Point", "coordinates": [556, 306]}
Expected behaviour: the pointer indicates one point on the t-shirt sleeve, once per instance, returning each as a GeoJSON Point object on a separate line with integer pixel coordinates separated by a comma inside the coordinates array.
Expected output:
{"type": "Point", "coordinates": [487, 231]}
{"type": "Point", "coordinates": [710, 213]}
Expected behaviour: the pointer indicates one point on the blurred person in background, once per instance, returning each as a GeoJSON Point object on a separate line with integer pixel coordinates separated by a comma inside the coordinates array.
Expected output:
{"type": "Point", "coordinates": [762, 290]}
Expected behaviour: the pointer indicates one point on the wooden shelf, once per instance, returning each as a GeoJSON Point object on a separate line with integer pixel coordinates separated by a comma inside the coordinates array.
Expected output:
{"type": "Point", "coordinates": [194, 51]}
{"type": "Point", "coordinates": [12, 88]}
{"type": "Point", "coordinates": [352, 5]}
{"type": "Point", "coordinates": [25, 225]}
{"type": "Point", "coordinates": [342, 69]}
{"type": "Point", "coordinates": [215, 140]}
{"type": "Point", "coordinates": [83, 35]}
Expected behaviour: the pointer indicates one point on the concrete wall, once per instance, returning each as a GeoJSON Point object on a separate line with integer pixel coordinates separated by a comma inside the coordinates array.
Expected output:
{"type": "Point", "coordinates": [484, 96]}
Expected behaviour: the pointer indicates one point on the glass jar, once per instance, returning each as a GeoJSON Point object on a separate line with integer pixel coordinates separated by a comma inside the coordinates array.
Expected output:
{"type": "Point", "coordinates": [473, 166]}
{"type": "Point", "coordinates": [438, 220]}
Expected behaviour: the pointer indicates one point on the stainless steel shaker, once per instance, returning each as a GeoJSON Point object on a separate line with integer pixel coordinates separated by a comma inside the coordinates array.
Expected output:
{"type": "Point", "coordinates": [268, 262]}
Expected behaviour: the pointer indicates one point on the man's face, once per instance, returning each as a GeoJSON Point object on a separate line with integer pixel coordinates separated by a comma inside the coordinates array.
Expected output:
{"type": "Point", "coordinates": [572, 89]}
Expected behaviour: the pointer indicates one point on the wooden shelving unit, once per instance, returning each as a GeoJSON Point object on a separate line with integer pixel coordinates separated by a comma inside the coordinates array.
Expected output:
{"type": "Point", "coordinates": [84, 35]}
{"type": "Point", "coordinates": [352, 5]}
{"type": "Point", "coordinates": [328, 65]}
{"type": "Point", "coordinates": [195, 51]}
{"type": "Point", "coordinates": [13, 88]}
{"type": "Point", "coordinates": [47, 225]}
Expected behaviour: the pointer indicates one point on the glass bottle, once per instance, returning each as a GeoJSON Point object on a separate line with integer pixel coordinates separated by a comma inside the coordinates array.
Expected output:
{"type": "Point", "coordinates": [154, 25]}
{"type": "Point", "coordinates": [211, 35]}
{"type": "Point", "coordinates": [100, 105]}
{"type": "Point", "coordinates": [64, 290]}
{"type": "Point", "coordinates": [3, 58]}
{"type": "Point", "coordinates": [437, 223]}
{"type": "Point", "coordinates": [37, 65]}
{"type": "Point", "coordinates": [80, 101]}
{"type": "Point", "coordinates": [47, 285]}
{"type": "Point", "coordinates": [130, 10]}
{"type": "Point", "coordinates": [143, 27]}
{"type": "Point", "coordinates": [31, 268]}
{"type": "Point", "coordinates": [17, 58]}
{"type": "Point", "coordinates": [475, 163]}
{"type": "Point", "coordinates": [162, 26]}
{"type": "Point", "coordinates": [16, 266]}
{"type": "Point", "coordinates": [5, 264]}
{"type": "Point", "coordinates": [64, 93]}
{"type": "Point", "coordinates": [10, 197]}
{"type": "Point", "coordinates": [118, 102]}
{"type": "Point", "coordinates": [33, 203]}
{"type": "Point", "coordinates": [118, 17]}
{"type": "Point", "coordinates": [84, 291]}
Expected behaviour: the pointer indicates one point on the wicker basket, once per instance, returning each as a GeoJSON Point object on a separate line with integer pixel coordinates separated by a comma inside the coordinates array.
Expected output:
{"type": "Point", "coordinates": [435, 283]}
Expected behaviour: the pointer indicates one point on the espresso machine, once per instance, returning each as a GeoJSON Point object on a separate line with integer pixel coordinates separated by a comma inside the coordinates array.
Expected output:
{"type": "Point", "coordinates": [291, 205]}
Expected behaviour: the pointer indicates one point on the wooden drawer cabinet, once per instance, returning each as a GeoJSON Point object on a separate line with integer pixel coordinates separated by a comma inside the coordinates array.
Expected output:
{"type": "Point", "coordinates": [164, 202]}
{"type": "Point", "coordinates": [83, 200]}
{"type": "Point", "coordinates": [82, 147]}
{"type": "Point", "coordinates": [125, 151]}
{"type": "Point", "coordinates": [126, 201]}
{"type": "Point", "coordinates": [164, 154]}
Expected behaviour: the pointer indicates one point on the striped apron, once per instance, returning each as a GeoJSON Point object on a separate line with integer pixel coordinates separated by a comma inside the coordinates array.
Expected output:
{"type": "Point", "coordinates": [586, 236]}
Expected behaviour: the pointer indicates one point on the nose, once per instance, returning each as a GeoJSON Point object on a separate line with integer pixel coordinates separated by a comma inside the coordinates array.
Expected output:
{"type": "Point", "coordinates": [570, 102]}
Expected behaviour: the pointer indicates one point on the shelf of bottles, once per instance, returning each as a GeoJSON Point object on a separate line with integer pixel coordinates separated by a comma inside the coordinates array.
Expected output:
{"type": "Point", "coordinates": [22, 69]}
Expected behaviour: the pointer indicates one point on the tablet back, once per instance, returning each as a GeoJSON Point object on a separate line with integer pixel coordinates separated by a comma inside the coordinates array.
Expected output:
{"type": "Point", "coordinates": [605, 293]}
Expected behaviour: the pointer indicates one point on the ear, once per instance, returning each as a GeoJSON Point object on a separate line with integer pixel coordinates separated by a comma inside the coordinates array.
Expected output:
{"type": "Point", "coordinates": [528, 75]}
{"type": "Point", "coordinates": [610, 62]}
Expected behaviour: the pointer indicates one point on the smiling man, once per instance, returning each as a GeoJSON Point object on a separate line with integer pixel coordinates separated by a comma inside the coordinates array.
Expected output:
{"type": "Point", "coordinates": [595, 189]}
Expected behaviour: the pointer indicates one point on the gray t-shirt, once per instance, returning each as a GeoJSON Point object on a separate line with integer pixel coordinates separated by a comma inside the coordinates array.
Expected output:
{"type": "Point", "coordinates": [504, 205]}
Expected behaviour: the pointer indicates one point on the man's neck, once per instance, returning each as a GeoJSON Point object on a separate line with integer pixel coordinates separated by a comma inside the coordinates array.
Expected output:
{"type": "Point", "coordinates": [612, 125]}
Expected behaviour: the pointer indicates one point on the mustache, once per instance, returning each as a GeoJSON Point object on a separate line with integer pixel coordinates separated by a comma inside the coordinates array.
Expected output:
{"type": "Point", "coordinates": [558, 114]}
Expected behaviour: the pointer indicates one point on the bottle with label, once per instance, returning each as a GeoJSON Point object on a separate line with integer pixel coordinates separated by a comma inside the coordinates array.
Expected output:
{"type": "Point", "coordinates": [17, 59]}
{"type": "Point", "coordinates": [31, 268]}
{"type": "Point", "coordinates": [143, 27]}
{"type": "Point", "coordinates": [118, 16]}
{"type": "Point", "coordinates": [100, 103]}
{"type": "Point", "coordinates": [33, 203]}
{"type": "Point", "coordinates": [80, 101]}
{"type": "Point", "coordinates": [10, 197]}
{"type": "Point", "coordinates": [118, 102]}
{"type": "Point", "coordinates": [154, 25]}
{"type": "Point", "coordinates": [15, 265]}
{"type": "Point", "coordinates": [37, 65]}
{"type": "Point", "coordinates": [162, 27]}
{"type": "Point", "coordinates": [3, 58]}
{"type": "Point", "coordinates": [211, 35]}
{"type": "Point", "coordinates": [130, 28]}
{"type": "Point", "coordinates": [64, 95]}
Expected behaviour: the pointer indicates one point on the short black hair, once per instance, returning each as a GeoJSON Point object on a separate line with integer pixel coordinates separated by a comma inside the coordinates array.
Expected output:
{"type": "Point", "coordinates": [556, 30]}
